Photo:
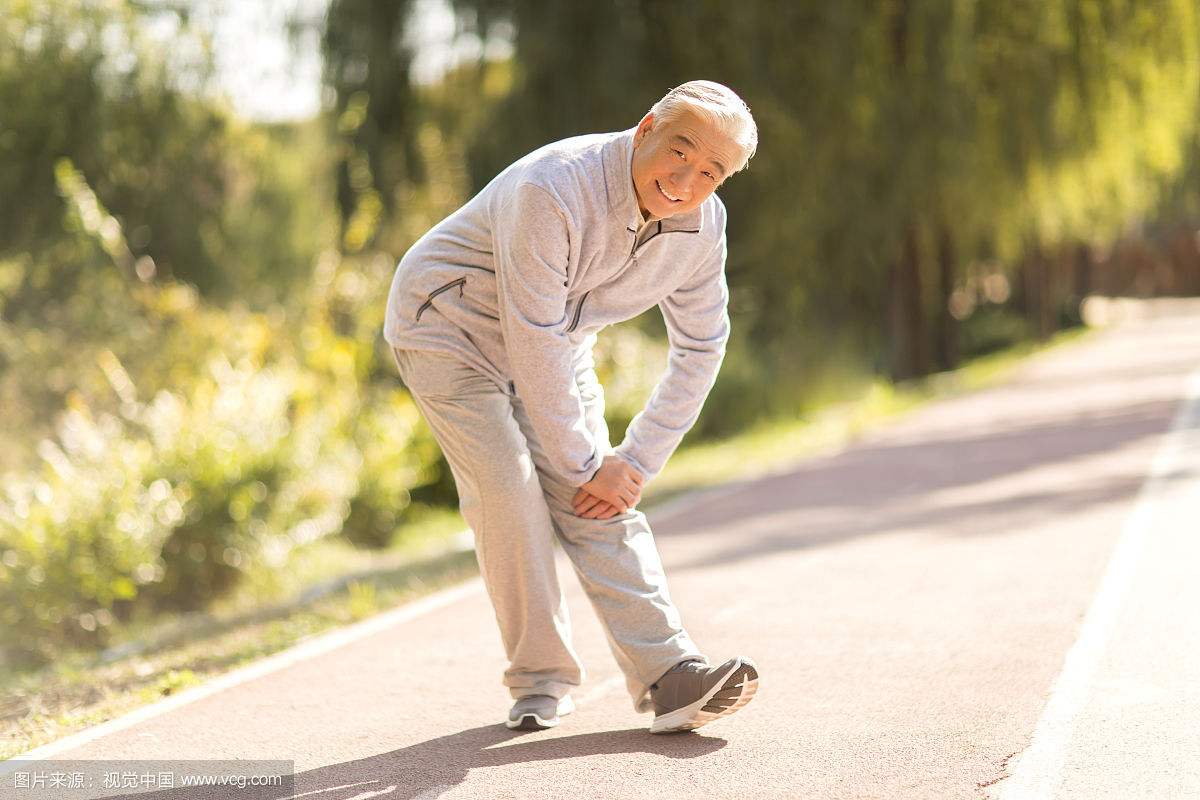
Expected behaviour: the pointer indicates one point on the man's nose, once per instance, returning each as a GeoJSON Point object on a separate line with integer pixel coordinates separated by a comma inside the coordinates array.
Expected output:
{"type": "Point", "coordinates": [682, 178]}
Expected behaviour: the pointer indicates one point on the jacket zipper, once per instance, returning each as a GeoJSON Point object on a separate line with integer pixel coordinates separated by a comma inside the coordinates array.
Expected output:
{"type": "Point", "coordinates": [460, 282]}
{"type": "Point", "coordinates": [578, 311]}
{"type": "Point", "coordinates": [661, 232]}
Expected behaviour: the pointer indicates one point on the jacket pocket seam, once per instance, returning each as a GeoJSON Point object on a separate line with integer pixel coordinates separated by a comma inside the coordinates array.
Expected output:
{"type": "Point", "coordinates": [459, 282]}
{"type": "Point", "coordinates": [578, 312]}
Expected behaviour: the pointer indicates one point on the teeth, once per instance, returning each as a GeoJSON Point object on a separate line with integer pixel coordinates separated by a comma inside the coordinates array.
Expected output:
{"type": "Point", "coordinates": [664, 193]}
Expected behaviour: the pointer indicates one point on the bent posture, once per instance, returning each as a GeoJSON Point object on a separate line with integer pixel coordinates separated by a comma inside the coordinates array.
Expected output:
{"type": "Point", "coordinates": [492, 316]}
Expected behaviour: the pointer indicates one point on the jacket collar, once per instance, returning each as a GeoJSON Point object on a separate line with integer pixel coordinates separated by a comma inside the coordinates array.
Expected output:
{"type": "Point", "coordinates": [617, 154]}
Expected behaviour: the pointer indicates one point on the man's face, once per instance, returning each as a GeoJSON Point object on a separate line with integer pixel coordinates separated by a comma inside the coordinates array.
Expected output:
{"type": "Point", "coordinates": [677, 165]}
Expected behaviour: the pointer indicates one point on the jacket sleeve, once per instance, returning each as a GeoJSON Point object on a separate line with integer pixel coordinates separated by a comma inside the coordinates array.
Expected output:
{"type": "Point", "coordinates": [697, 320]}
{"type": "Point", "coordinates": [531, 240]}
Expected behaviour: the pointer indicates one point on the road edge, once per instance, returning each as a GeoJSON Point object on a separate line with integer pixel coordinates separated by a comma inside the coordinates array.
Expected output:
{"type": "Point", "coordinates": [301, 651]}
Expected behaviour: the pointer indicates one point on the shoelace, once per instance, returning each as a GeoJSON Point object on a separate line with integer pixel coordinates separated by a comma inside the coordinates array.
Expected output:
{"type": "Point", "coordinates": [692, 665]}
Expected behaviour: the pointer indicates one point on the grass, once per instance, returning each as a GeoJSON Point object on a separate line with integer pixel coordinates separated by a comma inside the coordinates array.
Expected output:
{"type": "Point", "coordinates": [85, 689]}
{"type": "Point", "coordinates": [330, 583]}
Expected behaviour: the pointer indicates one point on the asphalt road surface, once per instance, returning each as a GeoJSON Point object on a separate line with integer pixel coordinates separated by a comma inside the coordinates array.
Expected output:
{"type": "Point", "coordinates": [993, 597]}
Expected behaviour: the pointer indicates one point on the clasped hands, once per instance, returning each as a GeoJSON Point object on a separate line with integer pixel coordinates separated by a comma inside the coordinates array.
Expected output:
{"type": "Point", "coordinates": [614, 489]}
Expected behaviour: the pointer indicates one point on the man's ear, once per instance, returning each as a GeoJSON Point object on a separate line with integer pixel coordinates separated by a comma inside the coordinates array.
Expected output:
{"type": "Point", "coordinates": [644, 127]}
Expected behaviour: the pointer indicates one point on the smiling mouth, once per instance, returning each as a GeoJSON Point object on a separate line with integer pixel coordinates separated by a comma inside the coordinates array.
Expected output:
{"type": "Point", "coordinates": [664, 194]}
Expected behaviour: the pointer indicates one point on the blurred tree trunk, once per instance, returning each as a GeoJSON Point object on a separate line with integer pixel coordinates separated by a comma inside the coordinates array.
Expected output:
{"type": "Point", "coordinates": [1022, 289]}
{"type": "Point", "coordinates": [1066, 286]}
{"type": "Point", "coordinates": [906, 318]}
{"type": "Point", "coordinates": [1082, 275]}
{"type": "Point", "coordinates": [947, 353]}
{"type": "Point", "coordinates": [1034, 296]}
{"type": "Point", "coordinates": [1185, 259]}
{"type": "Point", "coordinates": [367, 64]}
{"type": "Point", "coordinates": [906, 315]}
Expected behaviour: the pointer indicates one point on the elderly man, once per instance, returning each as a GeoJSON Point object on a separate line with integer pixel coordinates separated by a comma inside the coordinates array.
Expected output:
{"type": "Point", "coordinates": [492, 316]}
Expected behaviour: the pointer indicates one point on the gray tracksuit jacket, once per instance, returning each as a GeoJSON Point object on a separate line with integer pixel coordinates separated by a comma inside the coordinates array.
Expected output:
{"type": "Point", "coordinates": [519, 280]}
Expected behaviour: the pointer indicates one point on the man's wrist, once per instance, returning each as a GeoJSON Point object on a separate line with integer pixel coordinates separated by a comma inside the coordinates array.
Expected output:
{"type": "Point", "coordinates": [631, 461]}
{"type": "Point", "coordinates": [592, 477]}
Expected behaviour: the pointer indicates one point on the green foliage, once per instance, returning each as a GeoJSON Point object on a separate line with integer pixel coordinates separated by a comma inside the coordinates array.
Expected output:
{"type": "Point", "coordinates": [367, 64]}
{"type": "Point", "coordinates": [992, 328]}
{"type": "Point", "coordinates": [628, 364]}
{"type": "Point", "coordinates": [397, 455]}
{"type": "Point", "coordinates": [237, 442]}
{"type": "Point", "coordinates": [222, 205]}
{"type": "Point", "coordinates": [902, 142]}
{"type": "Point", "coordinates": [191, 370]}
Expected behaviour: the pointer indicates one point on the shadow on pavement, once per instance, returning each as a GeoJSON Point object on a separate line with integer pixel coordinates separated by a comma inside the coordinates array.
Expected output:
{"type": "Point", "coordinates": [431, 768]}
{"type": "Point", "coordinates": [873, 489]}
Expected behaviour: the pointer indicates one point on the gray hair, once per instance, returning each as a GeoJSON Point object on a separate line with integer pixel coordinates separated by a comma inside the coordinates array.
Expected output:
{"type": "Point", "coordinates": [719, 106]}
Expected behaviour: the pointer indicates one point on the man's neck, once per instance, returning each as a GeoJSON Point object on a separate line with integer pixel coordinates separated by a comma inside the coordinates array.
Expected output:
{"type": "Point", "coordinates": [644, 215]}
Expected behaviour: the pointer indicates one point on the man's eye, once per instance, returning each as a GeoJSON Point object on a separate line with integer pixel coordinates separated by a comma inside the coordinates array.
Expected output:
{"type": "Point", "coordinates": [677, 152]}
{"type": "Point", "coordinates": [710, 176]}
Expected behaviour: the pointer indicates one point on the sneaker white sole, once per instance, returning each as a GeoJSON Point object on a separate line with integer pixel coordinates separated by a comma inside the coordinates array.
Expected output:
{"type": "Point", "coordinates": [533, 722]}
{"type": "Point", "coordinates": [744, 674]}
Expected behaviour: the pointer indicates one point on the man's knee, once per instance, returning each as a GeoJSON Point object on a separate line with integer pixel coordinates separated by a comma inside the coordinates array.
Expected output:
{"type": "Point", "coordinates": [614, 530]}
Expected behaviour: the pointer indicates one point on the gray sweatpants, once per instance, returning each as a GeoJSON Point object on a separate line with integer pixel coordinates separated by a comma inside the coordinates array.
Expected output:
{"type": "Point", "coordinates": [516, 507]}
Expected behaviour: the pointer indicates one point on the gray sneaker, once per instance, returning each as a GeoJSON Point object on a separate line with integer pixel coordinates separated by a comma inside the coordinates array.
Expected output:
{"type": "Point", "coordinates": [535, 712]}
{"type": "Point", "coordinates": [692, 693]}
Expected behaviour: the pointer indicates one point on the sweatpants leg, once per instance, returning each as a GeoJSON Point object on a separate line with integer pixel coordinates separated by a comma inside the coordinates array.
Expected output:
{"type": "Point", "coordinates": [502, 501]}
{"type": "Point", "coordinates": [617, 563]}
{"type": "Point", "coordinates": [515, 503]}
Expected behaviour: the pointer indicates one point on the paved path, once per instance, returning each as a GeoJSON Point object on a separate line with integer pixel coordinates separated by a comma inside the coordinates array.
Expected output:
{"type": "Point", "coordinates": [985, 599]}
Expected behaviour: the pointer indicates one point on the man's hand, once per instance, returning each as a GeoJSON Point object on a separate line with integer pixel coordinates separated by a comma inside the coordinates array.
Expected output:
{"type": "Point", "coordinates": [615, 488]}
{"type": "Point", "coordinates": [600, 509]}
